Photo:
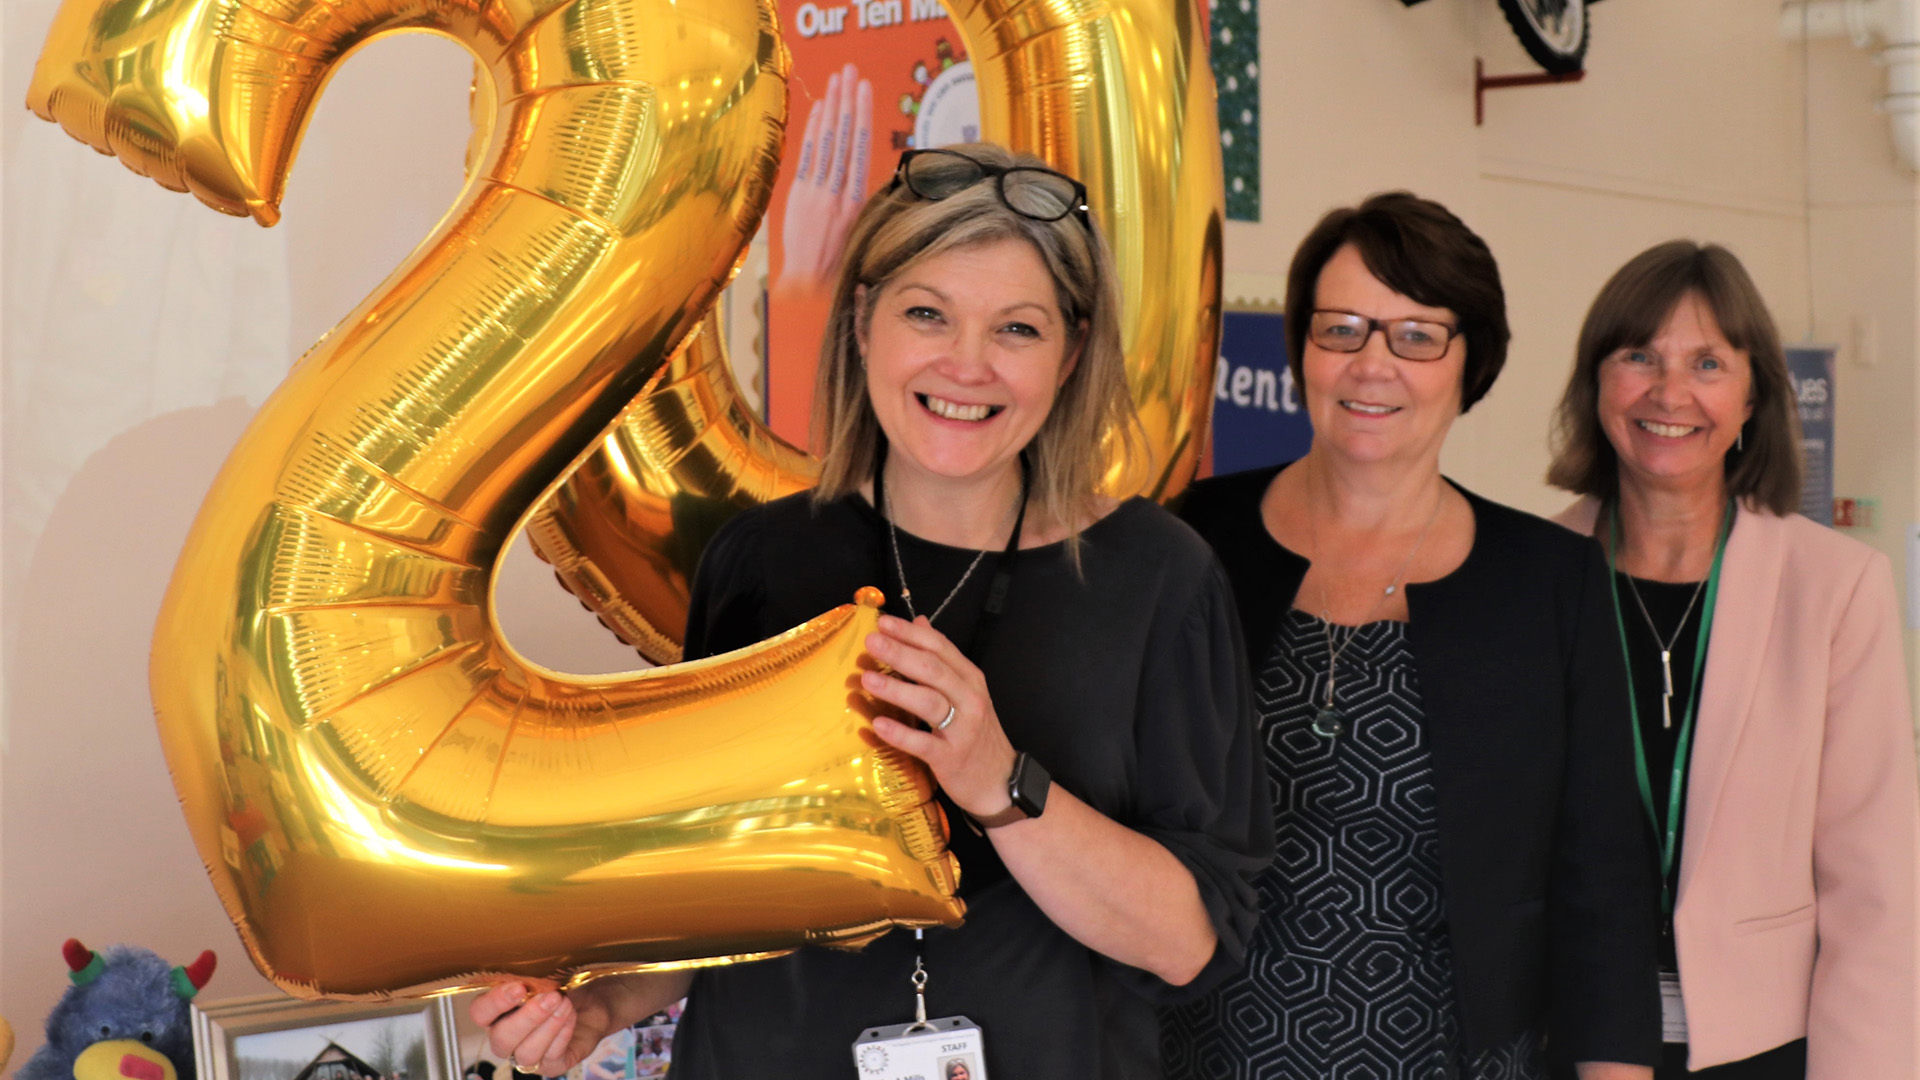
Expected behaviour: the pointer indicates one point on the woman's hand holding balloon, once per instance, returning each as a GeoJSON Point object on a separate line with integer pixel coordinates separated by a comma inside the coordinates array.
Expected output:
{"type": "Point", "coordinates": [1116, 891]}
{"type": "Point", "coordinates": [550, 1032]}
{"type": "Point", "coordinates": [968, 752]}
{"type": "Point", "coordinates": [535, 1032]}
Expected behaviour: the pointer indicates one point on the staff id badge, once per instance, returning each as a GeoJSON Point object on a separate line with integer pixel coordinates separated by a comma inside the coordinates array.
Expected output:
{"type": "Point", "coordinates": [1673, 1009]}
{"type": "Point", "coordinates": [949, 1048]}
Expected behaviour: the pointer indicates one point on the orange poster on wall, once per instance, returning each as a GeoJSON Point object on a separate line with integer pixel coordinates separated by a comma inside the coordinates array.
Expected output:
{"type": "Point", "coordinates": [870, 79]}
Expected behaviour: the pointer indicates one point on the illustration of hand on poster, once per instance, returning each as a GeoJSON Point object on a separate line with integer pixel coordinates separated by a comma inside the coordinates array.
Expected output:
{"type": "Point", "coordinates": [870, 80]}
{"type": "Point", "coordinates": [829, 186]}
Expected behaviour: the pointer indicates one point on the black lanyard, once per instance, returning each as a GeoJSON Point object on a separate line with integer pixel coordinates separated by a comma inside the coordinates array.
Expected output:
{"type": "Point", "coordinates": [1002, 581]}
{"type": "Point", "coordinates": [1668, 832]}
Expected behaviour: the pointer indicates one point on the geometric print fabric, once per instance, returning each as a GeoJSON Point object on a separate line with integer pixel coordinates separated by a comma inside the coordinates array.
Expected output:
{"type": "Point", "coordinates": [1349, 974]}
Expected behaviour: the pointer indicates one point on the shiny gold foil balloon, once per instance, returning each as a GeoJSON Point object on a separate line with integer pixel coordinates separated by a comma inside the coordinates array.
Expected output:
{"type": "Point", "coordinates": [1116, 92]}
{"type": "Point", "coordinates": [625, 530]}
{"type": "Point", "coordinates": [388, 798]}
{"type": "Point", "coordinates": [1119, 93]}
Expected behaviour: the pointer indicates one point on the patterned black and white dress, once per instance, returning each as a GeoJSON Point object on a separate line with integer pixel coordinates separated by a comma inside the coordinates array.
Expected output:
{"type": "Point", "coordinates": [1349, 975]}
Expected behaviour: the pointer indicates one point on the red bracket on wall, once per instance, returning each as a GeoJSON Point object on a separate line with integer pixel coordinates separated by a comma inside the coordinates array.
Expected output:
{"type": "Point", "coordinates": [1482, 83]}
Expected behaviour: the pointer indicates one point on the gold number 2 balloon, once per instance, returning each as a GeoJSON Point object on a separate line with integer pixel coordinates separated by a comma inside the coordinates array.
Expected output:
{"type": "Point", "coordinates": [1117, 92]}
{"type": "Point", "coordinates": [387, 797]}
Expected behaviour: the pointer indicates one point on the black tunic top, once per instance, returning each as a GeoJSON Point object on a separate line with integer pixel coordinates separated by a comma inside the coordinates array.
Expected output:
{"type": "Point", "coordinates": [1126, 681]}
{"type": "Point", "coordinates": [1551, 895]}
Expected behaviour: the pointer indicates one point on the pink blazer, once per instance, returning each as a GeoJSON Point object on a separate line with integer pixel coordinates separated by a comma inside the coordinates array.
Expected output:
{"type": "Point", "coordinates": [1800, 862]}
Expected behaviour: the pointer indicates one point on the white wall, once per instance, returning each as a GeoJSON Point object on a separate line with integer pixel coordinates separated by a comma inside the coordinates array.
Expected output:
{"type": "Point", "coordinates": [141, 330]}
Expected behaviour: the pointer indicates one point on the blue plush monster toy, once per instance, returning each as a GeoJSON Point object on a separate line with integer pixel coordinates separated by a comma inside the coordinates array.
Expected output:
{"type": "Point", "coordinates": [124, 1018]}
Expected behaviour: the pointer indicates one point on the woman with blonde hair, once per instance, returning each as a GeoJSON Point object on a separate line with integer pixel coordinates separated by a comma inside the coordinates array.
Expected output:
{"type": "Point", "coordinates": [1773, 738]}
{"type": "Point", "coordinates": [1072, 663]}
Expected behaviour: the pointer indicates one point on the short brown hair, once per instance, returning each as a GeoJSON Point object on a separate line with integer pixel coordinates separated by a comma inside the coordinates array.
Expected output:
{"type": "Point", "coordinates": [1092, 421]}
{"type": "Point", "coordinates": [1632, 307]}
{"type": "Point", "coordinates": [1419, 249]}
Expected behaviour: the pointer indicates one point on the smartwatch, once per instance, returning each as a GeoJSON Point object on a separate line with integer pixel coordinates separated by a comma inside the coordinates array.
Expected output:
{"type": "Point", "coordinates": [1027, 787]}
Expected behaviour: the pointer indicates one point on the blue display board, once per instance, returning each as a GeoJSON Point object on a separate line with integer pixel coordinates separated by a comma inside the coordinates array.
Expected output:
{"type": "Point", "coordinates": [1810, 368]}
{"type": "Point", "coordinates": [1258, 418]}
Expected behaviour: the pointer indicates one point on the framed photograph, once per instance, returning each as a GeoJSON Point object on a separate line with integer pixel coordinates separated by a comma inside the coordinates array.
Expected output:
{"type": "Point", "coordinates": [282, 1038]}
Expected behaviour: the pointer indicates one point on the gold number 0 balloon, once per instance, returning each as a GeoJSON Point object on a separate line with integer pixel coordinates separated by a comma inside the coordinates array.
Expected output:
{"type": "Point", "coordinates": [387, 797]}
{"type": "Point", "coordinates": [1117, 92]}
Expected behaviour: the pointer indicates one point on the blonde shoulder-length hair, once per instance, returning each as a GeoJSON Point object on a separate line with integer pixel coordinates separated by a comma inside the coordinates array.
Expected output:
{"type": "Point", "coordinates": [1092, 422]}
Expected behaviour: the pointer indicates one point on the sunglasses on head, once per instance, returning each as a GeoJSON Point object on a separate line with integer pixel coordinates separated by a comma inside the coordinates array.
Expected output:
{"type": "Point", "coordinates": [1027, 190]}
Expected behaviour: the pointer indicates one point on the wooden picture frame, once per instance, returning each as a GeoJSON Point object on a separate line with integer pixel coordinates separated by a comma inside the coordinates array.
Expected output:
{"type": "Point", "coordinates": [255, 1038]}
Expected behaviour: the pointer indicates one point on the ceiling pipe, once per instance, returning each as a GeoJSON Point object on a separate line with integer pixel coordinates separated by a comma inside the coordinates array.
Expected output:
{"type": "Point", "coordinates": [1896, 25]}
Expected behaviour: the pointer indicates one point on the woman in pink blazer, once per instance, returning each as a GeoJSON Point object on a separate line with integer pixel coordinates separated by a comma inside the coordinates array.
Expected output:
{"type": "Point", "coordinates": [1775, 740]}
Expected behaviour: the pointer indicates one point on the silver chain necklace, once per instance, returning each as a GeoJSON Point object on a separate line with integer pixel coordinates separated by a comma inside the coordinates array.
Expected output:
{"type": "Point", "coordinates": [906, 594]}
{"type": "Point", "coordinates": [899, 568]}
{"type": "Point", "coordinates": [1329, 721]}
{"type": "Point", "coordinates": [1666, 647]}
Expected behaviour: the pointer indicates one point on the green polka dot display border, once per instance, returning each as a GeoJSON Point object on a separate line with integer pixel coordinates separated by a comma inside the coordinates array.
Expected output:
{"type": "Point", "coordinates": [1235, 34]}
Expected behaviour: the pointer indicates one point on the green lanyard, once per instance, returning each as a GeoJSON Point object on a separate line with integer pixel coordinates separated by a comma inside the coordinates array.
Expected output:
{"type": "Point", "coordinates": [1670, 832]}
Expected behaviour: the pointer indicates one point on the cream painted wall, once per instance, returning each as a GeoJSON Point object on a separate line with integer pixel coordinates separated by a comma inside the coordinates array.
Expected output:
{"type": "Point", "coordinates": [1693, 121]}
{"type": "Point", "coordinates": [1865, 231]}
{"type": "Point", "coordinates": [1690, 124]}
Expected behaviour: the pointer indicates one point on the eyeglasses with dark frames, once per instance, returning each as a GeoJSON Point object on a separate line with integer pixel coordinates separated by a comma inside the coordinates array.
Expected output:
{"type": "Point", "coordinates": [1409, 339]}
{"type": "Point", "coordinates": [1027, 190]}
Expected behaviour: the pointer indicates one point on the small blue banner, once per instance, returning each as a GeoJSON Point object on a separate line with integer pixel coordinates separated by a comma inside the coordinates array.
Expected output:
{"type": "Point", "coordinates": [1810, 369]}
{"type": "Point", "coordinates": [1258, 418]}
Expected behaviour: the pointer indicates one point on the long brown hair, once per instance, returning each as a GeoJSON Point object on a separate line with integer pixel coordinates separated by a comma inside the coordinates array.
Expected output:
{"type": "Point", "coordinates": [1632, 307]}
{"type": "Point", "coordinates": [1092, 421]}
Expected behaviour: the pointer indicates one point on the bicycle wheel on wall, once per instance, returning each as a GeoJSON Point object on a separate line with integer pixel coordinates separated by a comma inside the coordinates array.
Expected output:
{"type": "Point", "coordinates": [1554, 32]}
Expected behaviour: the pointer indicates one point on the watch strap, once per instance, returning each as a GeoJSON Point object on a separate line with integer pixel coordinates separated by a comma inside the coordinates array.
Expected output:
{"type": "Point", "coordinates": [1005, 817]}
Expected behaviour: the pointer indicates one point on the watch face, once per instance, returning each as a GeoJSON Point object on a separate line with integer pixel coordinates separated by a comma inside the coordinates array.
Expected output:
{"type": "Point", "coordinates": [1029, 786]}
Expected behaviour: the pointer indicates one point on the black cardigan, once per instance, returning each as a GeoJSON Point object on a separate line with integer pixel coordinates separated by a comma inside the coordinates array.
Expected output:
{"type": "Point", "coordinates": [1546, 856]}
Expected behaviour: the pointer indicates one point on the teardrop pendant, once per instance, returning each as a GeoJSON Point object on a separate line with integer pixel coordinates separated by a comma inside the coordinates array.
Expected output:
{"type": "Point", "coordinates": [1329, 722]}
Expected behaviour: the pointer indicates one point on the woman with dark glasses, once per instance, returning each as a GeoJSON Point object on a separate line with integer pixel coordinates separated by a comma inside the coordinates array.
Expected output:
{"type": "Point", "coordinates": [1069, 665]}
{"type": "Point", "coordinates": [1462, 869]}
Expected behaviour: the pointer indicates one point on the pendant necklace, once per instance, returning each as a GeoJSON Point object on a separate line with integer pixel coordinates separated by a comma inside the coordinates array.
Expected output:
{"type": "Point", "coordinates": [906, 594]}
{"type": "Point", "coordinates": [1666, 646]}
{"type": "Point", "coordinates": [1329, 721]}
{"type": "Point", "coordinates": [893, 537]}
